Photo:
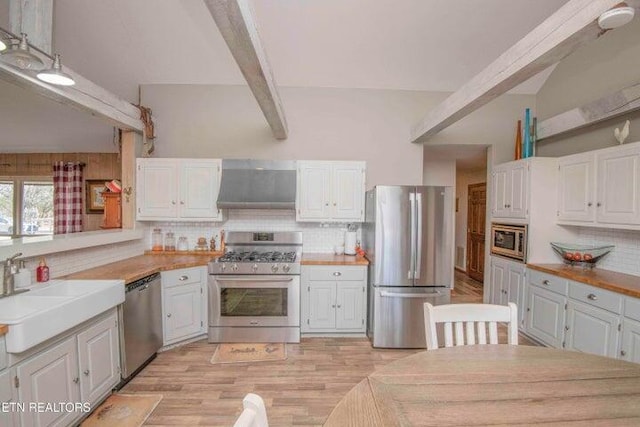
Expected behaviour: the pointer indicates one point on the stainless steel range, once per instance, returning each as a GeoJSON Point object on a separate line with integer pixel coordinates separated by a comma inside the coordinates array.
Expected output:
{"type": "Point", "coordinates": [254, 288]}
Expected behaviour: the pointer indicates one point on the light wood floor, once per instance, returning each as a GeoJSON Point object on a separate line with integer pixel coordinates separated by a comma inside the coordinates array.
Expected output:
{"type": "Point", "coordinates": [299, 391]}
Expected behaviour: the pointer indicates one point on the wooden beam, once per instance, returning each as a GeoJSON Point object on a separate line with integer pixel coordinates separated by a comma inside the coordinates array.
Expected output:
{"type": "Point", "coordinates": [236, 24]}
{"type": "Point", "coordinates": [84, 95]}
{"type": "Point", "coordinates": [573, 25]}
{"type": "Point", "coordinates": [128, 173]}
{"type": "Point", "coordinates": [608, 107]}
{"type": "Point", "coordinates": [35, 18]}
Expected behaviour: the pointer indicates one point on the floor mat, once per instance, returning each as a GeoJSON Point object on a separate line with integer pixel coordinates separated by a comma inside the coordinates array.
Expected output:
{"type": "Point", "coordinates": [248, 352]}
{"type": "Point", "coordinates": [123, 410]}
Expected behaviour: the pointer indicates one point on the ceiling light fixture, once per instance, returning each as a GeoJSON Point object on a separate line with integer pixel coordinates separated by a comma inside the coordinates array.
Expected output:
{"type": "Point", "coordinates": [20, 56]}
{"type": "Point", "coordinates": [55, 75]}
{"type": "Point", "coordinates": [616, 17]}
{"type": "Point", "coordinates": [16, 51]}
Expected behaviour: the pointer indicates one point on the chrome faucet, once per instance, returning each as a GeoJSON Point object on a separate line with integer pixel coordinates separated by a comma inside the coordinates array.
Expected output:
{"type": "Point", "coordinates": [8, 278]}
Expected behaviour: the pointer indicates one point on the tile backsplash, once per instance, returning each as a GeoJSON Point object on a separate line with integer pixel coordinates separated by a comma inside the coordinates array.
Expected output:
{"type": "Point", "coordinates": [316, 237]}
{"type": "Point", "coordinates": [625, 257]}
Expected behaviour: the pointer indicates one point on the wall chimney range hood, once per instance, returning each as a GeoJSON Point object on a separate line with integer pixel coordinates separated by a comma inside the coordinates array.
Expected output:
{"type": "Point", "coordinates": [257, 184]}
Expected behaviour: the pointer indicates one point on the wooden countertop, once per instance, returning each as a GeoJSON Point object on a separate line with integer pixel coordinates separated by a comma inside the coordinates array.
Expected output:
{"type": "Point", "coordinates": [331, 259]}
{"type": "Point", "coordinates": [138, 267]}
{"type": "Point", "coordinates": [4, 329]}
{"type": "Point", "coordinates": [605, 279]}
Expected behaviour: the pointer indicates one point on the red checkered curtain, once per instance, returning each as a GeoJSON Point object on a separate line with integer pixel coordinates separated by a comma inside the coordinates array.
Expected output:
{"type": "Point", "coordinates": [67, 197]}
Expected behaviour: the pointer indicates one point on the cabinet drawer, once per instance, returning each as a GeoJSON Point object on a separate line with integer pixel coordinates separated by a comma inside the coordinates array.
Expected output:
{"type": "Point", "coordinates": [548, 281]}
{"type": "Point", "coordinates": [337, 272]}
{"type": "Point", "coordinates": [596, 297]}
{"type": "Point", "coordinates": [183, 276]}
{"type": "Point", "coordinates": [632, 308]}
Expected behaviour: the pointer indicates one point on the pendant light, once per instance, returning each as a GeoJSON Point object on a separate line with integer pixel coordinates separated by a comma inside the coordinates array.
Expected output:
{"type": "Point", "coordinates": [616, 17]}
{"type": "Point", "coordinates": [3, 45]}
{"type": "Point", "coordinates": [20, 56]}
{"type": "Point", "coordinates": [55, 75]}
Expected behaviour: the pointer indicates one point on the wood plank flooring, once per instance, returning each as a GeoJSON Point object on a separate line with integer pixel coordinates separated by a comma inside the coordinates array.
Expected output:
{"type": "Point", "coordinates": [301, 390]}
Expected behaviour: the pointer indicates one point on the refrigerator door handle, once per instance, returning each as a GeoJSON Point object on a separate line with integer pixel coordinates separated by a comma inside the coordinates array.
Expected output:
{"type": "Point", "coordinates": [400, 295]}
{"type": "Point", "coordinates": [412, 263]}
{"type": "Point", "coordinates": [418, 264]}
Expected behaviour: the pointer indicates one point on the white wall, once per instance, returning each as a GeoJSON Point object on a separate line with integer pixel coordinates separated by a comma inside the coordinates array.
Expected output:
{"type": "Point", "coordinates": [439, 172]}
{"type": "Point", "coordinates": [464, 178]}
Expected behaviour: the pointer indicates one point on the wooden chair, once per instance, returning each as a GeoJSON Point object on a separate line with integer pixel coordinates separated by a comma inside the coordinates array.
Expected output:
{"type": "Point", "coordinates": [254, 413]}
{"type": "Point", "coordinates": [470, 321]}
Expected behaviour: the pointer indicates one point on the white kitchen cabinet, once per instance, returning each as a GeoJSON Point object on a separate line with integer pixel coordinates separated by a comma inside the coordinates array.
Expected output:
{"type": "Point", "coordinates": [545, 316]}
{"type": "Point", "coordinates": [630, 348]}
{"type": "Point", "coordinates": [50, 377]}
{"type": "Point", "coordinates": [591, 329]}
{"type": "Point", "coordinates": [509, 193]}
{"type": "Point", "coordinates": [334, 299]}
{"type": "Point", "coordinates": [576, 188]}
{"type": "Point", "coordinates": [7, 419]}
{"type": "Point", "coordinates": [183, 303]}
{"type": "Point", "coordinates": [178, 189]}
{"type": "Point", "coordinates": [99, 359]}
{"type": "Point", "coordinates": [618, 191]}
{"type": "Point", "coordinates": [507, 284]}
{"type": "Point", "coordinates": [330, 191]}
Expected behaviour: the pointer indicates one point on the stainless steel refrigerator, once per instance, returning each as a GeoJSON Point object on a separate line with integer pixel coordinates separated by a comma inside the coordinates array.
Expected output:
{"type": "Point", "coordinates": [408, 236]}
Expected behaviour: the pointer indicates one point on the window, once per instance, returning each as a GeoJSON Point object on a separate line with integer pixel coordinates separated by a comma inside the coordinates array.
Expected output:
{"type": "Point", "coordinates": [26, 206]}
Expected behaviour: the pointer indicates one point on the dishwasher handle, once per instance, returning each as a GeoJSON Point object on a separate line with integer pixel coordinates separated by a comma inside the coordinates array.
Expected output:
{"type": "Point", "coordinates": [142, 284]}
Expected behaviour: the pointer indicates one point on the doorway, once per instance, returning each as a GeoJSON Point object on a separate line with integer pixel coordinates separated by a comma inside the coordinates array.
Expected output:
{"type": "Point", "coordinates": [476, 217]}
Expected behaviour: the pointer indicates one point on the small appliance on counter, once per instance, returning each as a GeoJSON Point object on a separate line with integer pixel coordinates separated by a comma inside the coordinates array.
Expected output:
{"type": "Point", "coordinates": [350, 240]}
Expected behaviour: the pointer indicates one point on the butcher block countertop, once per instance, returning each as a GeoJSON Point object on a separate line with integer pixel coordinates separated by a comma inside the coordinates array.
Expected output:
{"type": "Point", "coordinates": [3, 329]}
{"type": "Point", "coordinates": [331, 259]}
{"type": "Point", "coordinates": [141, 266]}
{"type": "Point", "coordinates": [605, 279]}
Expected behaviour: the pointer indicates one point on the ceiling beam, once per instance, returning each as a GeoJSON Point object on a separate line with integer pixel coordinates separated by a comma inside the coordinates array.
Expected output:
{"type": "Point", "coordinates": [35, 18]}
{"type": "Point", "coordinates": [237, 26]}
{"type": "Point", "coordinates": [573, 25]}
{"type": "Point", "coordinates": [84, 96]}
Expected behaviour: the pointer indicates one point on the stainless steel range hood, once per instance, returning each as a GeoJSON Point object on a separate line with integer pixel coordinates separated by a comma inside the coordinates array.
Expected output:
{"type": "Point", "coordinates": [257, 184]}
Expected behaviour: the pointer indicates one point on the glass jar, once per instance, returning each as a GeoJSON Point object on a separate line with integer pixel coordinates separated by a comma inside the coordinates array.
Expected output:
{"type": "Point", "coordinates": [156, 240]}
{"type": "Point", "coordinates": [183, 244]}
{"type": "Point", "coordinates": [170, 241]}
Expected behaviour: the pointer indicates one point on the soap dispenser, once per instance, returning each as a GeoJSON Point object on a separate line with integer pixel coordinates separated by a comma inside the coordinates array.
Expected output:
{"type": "Point", "coordinates": [23, 276]}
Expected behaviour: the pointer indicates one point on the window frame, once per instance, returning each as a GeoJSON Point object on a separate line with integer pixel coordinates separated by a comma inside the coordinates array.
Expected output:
{"type": "Point", "coordinates": [18, 196]}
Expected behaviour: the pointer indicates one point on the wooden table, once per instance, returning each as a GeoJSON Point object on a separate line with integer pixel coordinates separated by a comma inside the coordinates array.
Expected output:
{"type": "Point", "coordinates": [495, 384]}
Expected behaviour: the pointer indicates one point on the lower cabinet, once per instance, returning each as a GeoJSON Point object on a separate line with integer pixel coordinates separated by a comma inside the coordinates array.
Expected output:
{"type": "Point", "coordinates": [592, 330]}
{"type": "Point", "coordinates": [82, 368]}
{"type": "Point", "coordinates": [333, 299]}
{"type": "Point", "coordinates": [7, 418]}
{"type": "Point", "coordinates": [545, 316]}
{"type": "Point", "coordinates": [630, 348]}
{"type": "Point", "coordinates": [184, 303]}
{"type": "Point", "coordinates": [507, 284]}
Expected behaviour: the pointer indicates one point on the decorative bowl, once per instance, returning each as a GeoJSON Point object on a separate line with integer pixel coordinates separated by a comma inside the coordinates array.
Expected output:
{"type": "Point", "coordinates": [575, 254]}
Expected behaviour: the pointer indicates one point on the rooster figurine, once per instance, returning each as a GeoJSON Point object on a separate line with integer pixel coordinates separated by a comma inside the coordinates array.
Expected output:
{"type": "Point", "coordinates": [621, 135]}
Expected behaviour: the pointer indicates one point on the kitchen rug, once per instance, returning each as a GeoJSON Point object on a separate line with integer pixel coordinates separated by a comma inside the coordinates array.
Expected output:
{"type": "Point", "coordinates": [123, 410]}
{"type": "Point", "coordinates": [243, 352]}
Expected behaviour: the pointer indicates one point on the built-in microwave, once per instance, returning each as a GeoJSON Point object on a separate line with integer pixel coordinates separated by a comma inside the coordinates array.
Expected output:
{"type": "Point", "coordinates": [509, 240]}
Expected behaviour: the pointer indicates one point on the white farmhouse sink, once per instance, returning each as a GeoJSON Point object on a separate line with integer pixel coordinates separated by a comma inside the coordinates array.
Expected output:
{"type": "Point", "coordinates": [46, 311]}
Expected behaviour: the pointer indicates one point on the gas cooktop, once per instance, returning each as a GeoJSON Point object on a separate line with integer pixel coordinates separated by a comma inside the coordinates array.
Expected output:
{"type": "Point", "coordinates": [255, 256]}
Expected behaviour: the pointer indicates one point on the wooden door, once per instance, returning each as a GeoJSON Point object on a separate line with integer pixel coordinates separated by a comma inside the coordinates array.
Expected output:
{"type": "Point", "coordinates": [475, 230]}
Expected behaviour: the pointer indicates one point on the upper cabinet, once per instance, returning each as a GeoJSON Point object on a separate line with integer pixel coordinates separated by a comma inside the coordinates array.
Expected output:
{"type": "Point", "coordinates": [510, 184]}
{"type": "Point", "coordinates": [330, 191]}
{"type": "Point", "coordinates": [601, 188]}
{"type": "Point", "coordinates": [178, 189]}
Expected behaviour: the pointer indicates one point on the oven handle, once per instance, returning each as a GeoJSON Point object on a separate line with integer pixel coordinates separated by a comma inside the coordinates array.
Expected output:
{"type": "Point", "coordinates": [290, 279]}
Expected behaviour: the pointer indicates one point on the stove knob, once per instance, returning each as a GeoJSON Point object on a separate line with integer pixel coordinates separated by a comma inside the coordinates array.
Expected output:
{"type": "Point", "coordinates": [223, 267]}
{"type": "Point", "coordinates": [254, 267]}
{"type": "Point", "coordinates": [286, 268]}
{"type": "Point", "coordinates": [274, 268]}
{"type": "Point", "coordinates": [234, 267]}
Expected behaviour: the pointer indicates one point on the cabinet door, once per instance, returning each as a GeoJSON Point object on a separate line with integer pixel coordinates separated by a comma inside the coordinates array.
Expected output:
{"type": "Point", "coordinates": [576, 195]}
{"type": "Point", "coordinates": [313, 191]}
{"type": "Point", "coordinates": [517, 186]}
{"type": "Point", "coordinates": [347, 191]}
{"type": "Point", "coordinates": [157, 182]}
{"type": "Point", "coordinates": [99, 359]}
{"type": "Point", "coordinates": [545, 316]}
{"type": "Point", "coordinates": [515, 289]}
{"type": "Point", "coordinates": [50, 377]}
{"type": "Point", "coordinates": [6, 387]}
{"type": "Point", "coordinates": [322, 305]}
{"type": "Point", "coordinates": [501, 192]}
{"type": "Point", "coordinates": [182, 312]}
{"type": "Point", "coordinates": [350, 298]}
{"type": "Point", "coordinates": [630, 340]}
{"type": "Point", "coordinates": [498, 277]}
{"type": "Point", "coordinates": [199, 186]}
{"type": "Point", "coordinates": [591, 330]}
{"type": "Point", "coordinates": [619, 187]}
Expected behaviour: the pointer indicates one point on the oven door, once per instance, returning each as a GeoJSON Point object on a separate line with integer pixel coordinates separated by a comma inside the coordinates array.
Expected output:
{"type": "Point", "coordinates": [254, 301]}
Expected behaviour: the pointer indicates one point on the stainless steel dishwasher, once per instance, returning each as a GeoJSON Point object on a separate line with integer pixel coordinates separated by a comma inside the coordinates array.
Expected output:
{"type": "Point", "coordinates": [140, 325]}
